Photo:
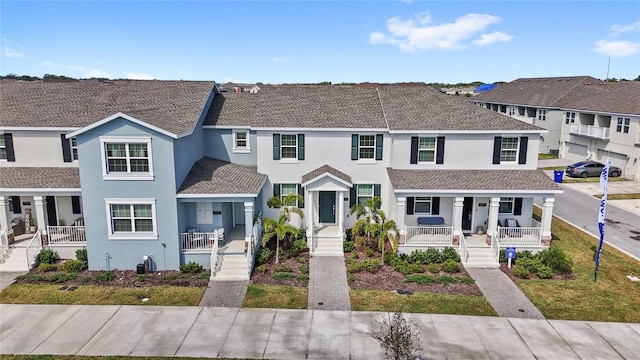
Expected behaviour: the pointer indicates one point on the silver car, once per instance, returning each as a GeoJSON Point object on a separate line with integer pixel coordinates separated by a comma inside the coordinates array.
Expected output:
{"type": "Point", "coordinates": [590, 168]}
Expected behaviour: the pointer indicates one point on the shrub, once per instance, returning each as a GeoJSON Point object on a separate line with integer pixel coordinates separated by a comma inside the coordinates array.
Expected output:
{"type": "Point", "coordinates": [302, 277]}
{"type": "Point", "coordinates": [298, 246]}
{"type": "Point", "coordinates": [282, 268]}
{"type": "Point", "coordinates": [503, 256]}
{"type": "Point", "coordinates": [261, 269]}
{"type": "Point", "coordinates": [348, 246]}
{"type": "Point", "coordinates": [368, 251]}
{"type": "Point", "coordinates": [106, 276]}
{"type": "Point", "coordinates": [85, 280]}
{"type": "Point", "coordinates": [434, 269]}
{"type": "Point", "coordinates": [520, 271]}
{"type": "Point", "coordinates": [303, 268]}
{"type": "Point", "coordinates": [390, 258]}
{"type": "Point", "coordinates": [351, 279]}
{"type": "Point", "coordinates": [421, 279]}
{"type": "Point", "coordinates": [62, 277]}
{"type": "Point", "coordinates": [524, 254]}
{"type": "Point", "coordinates": [264, 255]}
{"type": "Point", "coordinates": [371, 265]}
{"type": "Point", "coordinates": [300, 259]}
{"type": "Point", "coordinates": [81, 254]}
{"type": "Point", "coordinates": [74, 266]}
{"type": "Point", "coordinates": [451, 266]}
{"type": "Point", "coordinates": [204, 275]}
{"type": "Point", "coordinates": [557, 260]}
{"type": "Point", "coordinates": [545, 272]}
{"type": "Point", "coordinates": [449, 253]}
{"type": "Point", "coordinates": [191, 267]}
{"type": "Point", "coordinates": [399, 337]}
{"type": "Point", "coordinates": [355, 255]}
{"type": "Point", "coordinates": [282, 276]}
{"type": "Point", "coordinates": [143, 277]}
{"type": "Point", "coordinates": [406, 268]}
{"type": "Point", "coordinates": [47, 267]}
{"type": "Point", "coordinates": [46, 256]}
{"type": "Point", "coordinates": [348, 235]}
{"type": "Point", "coordinates": [530, 264]}
{"type": "Point", "coordinates": [430, 256]}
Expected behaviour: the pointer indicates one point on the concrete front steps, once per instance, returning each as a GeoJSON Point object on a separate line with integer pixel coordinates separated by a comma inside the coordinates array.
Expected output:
{"type": "Point", "coordinates": [328, 246]}
{"type": "Point", "coordinates": [481, 257]}
{"type": "Point", "coordinates": [231, 267]}
{"type": "Point", "coordinates": [15, 259]}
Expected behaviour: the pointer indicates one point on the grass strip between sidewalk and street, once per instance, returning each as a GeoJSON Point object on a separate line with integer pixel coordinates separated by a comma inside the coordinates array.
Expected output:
{"type": "Point", "coordinates": [613, 297]}
{"type": "Point", "coordinates": [633, 196]}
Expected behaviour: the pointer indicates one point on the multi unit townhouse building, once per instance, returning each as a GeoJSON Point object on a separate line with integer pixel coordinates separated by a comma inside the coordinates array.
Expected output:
{"type": "Point", "coordinates": [179, 171]}
{"type": "Point", "coordinates": [586, 118]}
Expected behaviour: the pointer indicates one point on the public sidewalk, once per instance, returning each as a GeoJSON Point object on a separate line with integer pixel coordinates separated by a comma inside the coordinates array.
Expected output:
{"type": "Point", "coordinates": [296, 334]}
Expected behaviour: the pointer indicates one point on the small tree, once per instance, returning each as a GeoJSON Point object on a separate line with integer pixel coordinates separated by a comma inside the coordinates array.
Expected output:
{"type": "Point", "coordinates": [367, 214]}
{"type": "Point", "coordinates": [281, 228]}
{"type": "Point", "coordinates": [388, 230]}
{"type": "Point", "coordinates": [399, 337]}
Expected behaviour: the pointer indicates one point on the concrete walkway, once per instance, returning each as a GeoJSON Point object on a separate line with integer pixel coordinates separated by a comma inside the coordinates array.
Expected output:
{"type": "Point", "coordinates": [225, 293]}
{"type": "Point", "coordinates": [328, 288]}
{"type": "Point", "coordinates": [505, 297]}
{"type": "Point", "coordinates": [9, 277]}
{"type": "Point", "coordinates": [296, 334]}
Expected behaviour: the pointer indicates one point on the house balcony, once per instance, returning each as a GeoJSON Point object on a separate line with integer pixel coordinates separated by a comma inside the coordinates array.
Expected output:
{"type": "Point", "coordinates": [74, 235]}
{"type": "Point", "coordinates": [590, 131]}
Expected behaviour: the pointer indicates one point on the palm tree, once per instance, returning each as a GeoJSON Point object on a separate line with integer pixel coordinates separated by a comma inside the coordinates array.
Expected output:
{"type": "Point", "coordinates": [388, 231]}
{"type": "Point", "coordinates": [369, 214]}
{"type": "Point", "coordinates": [281, 228]}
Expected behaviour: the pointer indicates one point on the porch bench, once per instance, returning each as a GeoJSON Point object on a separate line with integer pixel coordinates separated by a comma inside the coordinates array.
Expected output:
{"type": "Point", "coordinates": [431, 221]}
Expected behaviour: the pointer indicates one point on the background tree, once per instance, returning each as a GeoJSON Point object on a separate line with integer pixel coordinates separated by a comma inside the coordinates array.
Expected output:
{"type": "Point", "coordinates": [281, 228]}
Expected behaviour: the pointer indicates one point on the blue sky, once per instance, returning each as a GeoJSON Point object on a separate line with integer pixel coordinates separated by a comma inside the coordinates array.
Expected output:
{"type": "Point", "coordinates": [305, 41]}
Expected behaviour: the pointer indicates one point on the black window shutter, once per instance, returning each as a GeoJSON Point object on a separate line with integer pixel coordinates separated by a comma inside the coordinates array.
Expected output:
{"type": "Point", "coordinates": [522, 156]}
{"type": "Point", "coordinates": [276, 190]}
{"type": "Point", "coordinates": [301, 193]}
{"type": "Point", "coordinates": [410, 201]}
{"type": "Point", "coordinates": [276, 146]}
{"type": "Point", "coordinates": [517, 206]}
{"type": "Point", "coordinates": [497, 146]}
{"type": "Point", "coordinates": [379, 138]}
{"type": "Point", "coordinates": [435, 206]}
{"type": "Point", "coordinates": [354, 147]}
{"type": "Point", "coordinates": [75, 204]}
{"type": "Point", "coordinates": [352, 196]}
{"type": "Point", "coordinates": [66, 148]}
{"type": "Point", "coordinates": [300, 146]}
{"type": "Point", "coordinates": [440, 150]}
{"type": "Point", "coordinates": [15, 200]}
{"type": "Point", "coordinates": [414, 150]}
{"type": "Point", "coordinates": [8, 143]}
{"type": "Point", "coordinates": [376, 190]}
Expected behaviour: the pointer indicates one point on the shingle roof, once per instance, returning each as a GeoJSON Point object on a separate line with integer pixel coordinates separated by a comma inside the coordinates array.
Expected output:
{"type": "Point", "coordinates": [213, 176]}
{"type": "Point", "coordinates": [39, 178]}
{"type": "Point", "coordinates": [173, 106]}
{"type": "Point", "coordinates": [308, 106]}
{"type": "Point", "coordinates": [491, 180]}
{"type": "Point", "coordinates": [323, 170]}
{"type": "Point", "coordinates": [618, 97]}
{"type": "Point", "coordinates": [542, 92]}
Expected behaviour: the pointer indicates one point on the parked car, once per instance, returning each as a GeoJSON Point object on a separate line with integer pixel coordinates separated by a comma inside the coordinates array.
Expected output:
{"type": "Point", "coordinates": [590, 168]}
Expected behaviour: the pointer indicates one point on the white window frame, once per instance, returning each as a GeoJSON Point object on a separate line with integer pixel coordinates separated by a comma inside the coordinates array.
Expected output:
{"type": "Point", "coordinates": [569, 117]}
{"type": "Point", "coordinates": [506, 201]}
{"type": "Point", "coordinates": [434, 149]}
{"type": "Point", "coordinates": [422, 200]}
{"type": "Point", "coordinates": [504, 152]}
{"type": "Point", "coordinates": [542, 114]}
{"type": "Point", "coordinates": [3, 146]}
{"type": "Point", "coordinates": [283, 146]}
{"type": "Point", "coordinates": [129, 175]}
{"type": "Point", "coordinates": [132, 235]}
{"type": "Point", "coordinates": [365, 197]}
{"type": "Point", "coordinates": [241, 149]}
{"type": "Point", "coordinates": [204, 213]}
{"type": "Point", "coordinates": [622, 125]}
{"type": "Point", "coordinates": [283, 195]}
{"type": "Point", "coordinates": [511, 110]}
{"type": "Point", "coordinates": [361, 147]}
{"type": "Point", "coordinates": [73, 144]}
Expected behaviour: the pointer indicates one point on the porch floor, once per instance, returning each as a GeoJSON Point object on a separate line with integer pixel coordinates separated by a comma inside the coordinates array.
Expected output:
{"type": "Point", "coordinates": [474, 240]}
{"type": "Point", "coordinates": [233, 241]}
{"type": "Point", "coordinates": [328, 231]}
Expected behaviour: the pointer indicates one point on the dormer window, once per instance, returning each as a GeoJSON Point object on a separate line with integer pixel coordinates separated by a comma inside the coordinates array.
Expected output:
{"type": "Point", "coordinates": [126, 158]}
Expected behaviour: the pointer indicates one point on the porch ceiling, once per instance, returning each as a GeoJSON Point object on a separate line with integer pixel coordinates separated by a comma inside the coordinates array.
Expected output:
{"type": "Point", "coordinates": [326, 170]}
{"type": "Point", "coordinates": [16, 178]}
{"type": "Point", "coordinates": [472, 180]}
{"type": "Point", "coordinates": [213, 176]}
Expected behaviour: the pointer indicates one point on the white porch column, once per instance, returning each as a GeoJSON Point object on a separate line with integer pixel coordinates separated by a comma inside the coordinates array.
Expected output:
{"type": "Point", "coordinates": [309, 205]}
{"type": "Point", "coordinates": [41, 213]}
{"type": "Point", "coordinates": [492, 225]}
{"type": "Point", "coordinates": [457, 217]}
{"type": "Point", "coordinates": [402, 209]}
{"type": "Point", "coordinates": [248, 221]}
{"type": "Point", "coordinates": [341, 212]}
{"type": "Point", "coordinates": [5, 222]}
{"type": "Point", "coordinates": [547, 215]}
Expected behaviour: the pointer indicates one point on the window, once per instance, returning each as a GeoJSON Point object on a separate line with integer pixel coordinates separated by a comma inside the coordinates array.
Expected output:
{"type": "Point", "coordinates": [131, 219]}
{"type": "Point", "coordinates": [74, 148]}
{"type": "Point", "coordinates": [282, 190]}
{"type": "Point", "coordinates": [422, 205]}
{"type": "Point", "coordinates": [366, 147]}
{"type": "Point", "coordinates": [287, 189]}
{"type": "Point", "coordinates": [542, 114]}
{"type": "Point", "coordinates": [426, 149]}
{"type": "Point", "coordinates": [289, 146]}
{"type": "Point", "coordinates": [364, 193]}
{"type": "Point", "coordinates": [506, 205]}
{"type": "Point", "coordinates": [3, 149]}
{"type": "Point", "coordinates": [569, 117]}
{"type": "Point", "coordinates": [6, 147]}
{"type": "Point", "coordinates": [511, 110]}
{"type": "Point", "coordinates": [127, 159]}
{"type": "Point", "coordinates": [623, 125]}
{"type": "Point", "coordinates": [204, 213]}
{"type": "Point", "coordinates": [241, 141]}
{"type": "Point", "coordinates": [509, 149]}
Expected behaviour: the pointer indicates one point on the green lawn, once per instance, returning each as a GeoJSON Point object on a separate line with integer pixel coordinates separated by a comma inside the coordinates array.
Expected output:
{"type": "Point", "coordinates": [542, 156]}
{"type": "Point", "coordinates": [269, 296]}
{"type": "Point", "coordinates": [612, 297]}
{"type": "Point", "coordinates": [619, 196]}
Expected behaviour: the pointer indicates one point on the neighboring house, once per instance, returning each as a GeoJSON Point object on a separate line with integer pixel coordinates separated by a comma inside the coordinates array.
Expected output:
{"type": "Point", "coordinates": [175, 171]}
{"type": "Point", "coordinates": [586, 118]}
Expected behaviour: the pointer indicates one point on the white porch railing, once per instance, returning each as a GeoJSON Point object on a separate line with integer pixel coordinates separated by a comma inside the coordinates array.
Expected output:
{"type": "Point", "coordinates": [520, 236]}
{"type": "Point", "coordinates": [256, 235]}
{"type": "Point", "coordinates": [590, 131]}
{"type": "Point", "coordinates": [66, 234]}
{"type": "Point", "coordinates": [33, 248]}
{"type": "Point", "coordinates": [428, 235]}
{"type": "Point", "coordinates": [214, 256]}
{"type": "Point", "coordinates": [4, 242]}
{"type": "Point", "coordinates": [464, 253]}
{"type": "Point", "coordinates": [199, 241]}
{"type": "Point", "coordinates": [495, 247]}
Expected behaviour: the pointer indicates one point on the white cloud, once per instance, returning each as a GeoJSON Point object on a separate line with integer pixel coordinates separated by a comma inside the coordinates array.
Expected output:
{"type": "Point", "coordinates": [9, 52]}
{"type": "Point", "coordinates": [96, 73]}
{"type": "Point", "coordinates": [140, 76]}
{"type": "Point", "coordinates": [492, 38]}
{"type": "Point", "coordinates": [619, 29]}
{"type": "Point", "coordinates": [420, 33]}
{"type": "Point", "coordinates": [279, 60]}
{"type": "Point", "coordinates": [616, 48]}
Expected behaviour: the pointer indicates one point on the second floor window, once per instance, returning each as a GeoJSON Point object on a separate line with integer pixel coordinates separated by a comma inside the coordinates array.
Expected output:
{"type": "Point", "coordinates": [74, 148]}
{"type": "Point", "coordinates": [127, 159]}
{"type": "Point", "coordinates": [241, 141]}
{"type": "Point", "coordinates": [6, 147]}
{"type": "Point", "coordinates": [366, 147]}
{"type": "Point", "coordinates": [542, 114]}
{"type": "Point", "coordinates": [3, 148]}
{"type": "Point", "coordinates": [623, 125]}
{"type": "Point", "coordinates": [288, 146]}
{"type": "Point", "coordinates": [427, 149]}
{"type": "Point", "coordinates": [511, 110]}
{"type": "Point", "coordinates": [509, 150]}
{"type": "Point", "coordinates": [569, 117]}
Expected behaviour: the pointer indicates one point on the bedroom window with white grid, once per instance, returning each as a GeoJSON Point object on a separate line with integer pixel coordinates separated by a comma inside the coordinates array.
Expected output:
{"type": "Point", "coordinates": [367, 146]}
{"type": "Point", "coordinates": [509, 149]}
{"type": "Point", "coordinates": [289, 146]}
{"type": "Point", "coordinates": [623, 125]}
{"type": "Point", "coordinates": [422, 205]}
{"type": "Point", "coordinates": [427, 149]}
{"type": "Point", "coordinates": [241, 141]}
{"type": "Point", "coordinates": [365, 192]}
{"type": "Point", "coordinates": [74, 148]}
{"type": "Point", "coordinates": [506, 205]}
{"type": "Point", "coordinates": [569, 117]}
{"type": "Point", "coordinates": [542, 114]}
{"type": "Point", "coordinates": [3, 148]}
{"type": "Point", "coordinates": [127, 159]}
{"type": "Point", "coordinates": [287, 189]}
{"type": "Point", "coordinates": [135, 219]}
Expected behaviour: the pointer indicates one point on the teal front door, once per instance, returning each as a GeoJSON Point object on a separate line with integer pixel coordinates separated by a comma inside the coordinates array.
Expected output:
{"type": "Point", "coordinates": [327, 206]}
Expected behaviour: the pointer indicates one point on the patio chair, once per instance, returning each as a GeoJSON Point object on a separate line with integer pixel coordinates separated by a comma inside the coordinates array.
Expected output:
{"type": "Point", "coordinates": [514, 224]}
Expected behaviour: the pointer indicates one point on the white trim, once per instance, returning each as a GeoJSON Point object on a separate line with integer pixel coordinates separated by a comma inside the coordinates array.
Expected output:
{"type": "Point", "coordinates": [126, 175]}
{"type": "Point", "coordinates": [204, 196]}
{"type": "Point", "coordinates": [124, 116]}
{"type": "Point", "coordinates": [21, 190]}
{"type": "Point", "coordinates": [595, 112]}
{"type": "Point", "coordinates": [241, 150]}
{"type": "Point", "coordinates": [493, 132]}
{"type": "Point", "coordinates": [523, 192]}
{"type": "Point", "coordinates": [131, 235]}
{"type": "Point", "coordinates": [34, 128]}
{"type": "Point", "coordinates": [294, 129]}
{"type": "Point", "coordinates": [327, 174]}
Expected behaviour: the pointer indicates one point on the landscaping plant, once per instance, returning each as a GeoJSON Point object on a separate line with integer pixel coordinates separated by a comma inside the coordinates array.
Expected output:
{"type": "Point", "coordinates": [281, 227]}
{"type": "Point", "coordinates": [399, 337]}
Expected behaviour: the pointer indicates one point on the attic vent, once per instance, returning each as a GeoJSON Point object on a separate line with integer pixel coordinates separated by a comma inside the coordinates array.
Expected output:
{"type": "Point", "coordinates": [587, 83]}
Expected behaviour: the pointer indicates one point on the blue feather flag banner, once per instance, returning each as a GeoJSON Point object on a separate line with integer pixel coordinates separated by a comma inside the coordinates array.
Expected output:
{"type": "Point", "coordinates": [604, 176]}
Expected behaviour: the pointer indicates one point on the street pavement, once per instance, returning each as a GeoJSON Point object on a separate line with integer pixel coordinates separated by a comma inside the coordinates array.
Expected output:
{"type": "Point", "coordinates": [296, 334]}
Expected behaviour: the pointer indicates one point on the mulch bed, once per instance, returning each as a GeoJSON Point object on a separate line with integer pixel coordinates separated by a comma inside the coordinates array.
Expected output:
{"type": "Point", "coordinates": [509, 272]}
{"type": "Point", "coordinates": [266, 278]}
